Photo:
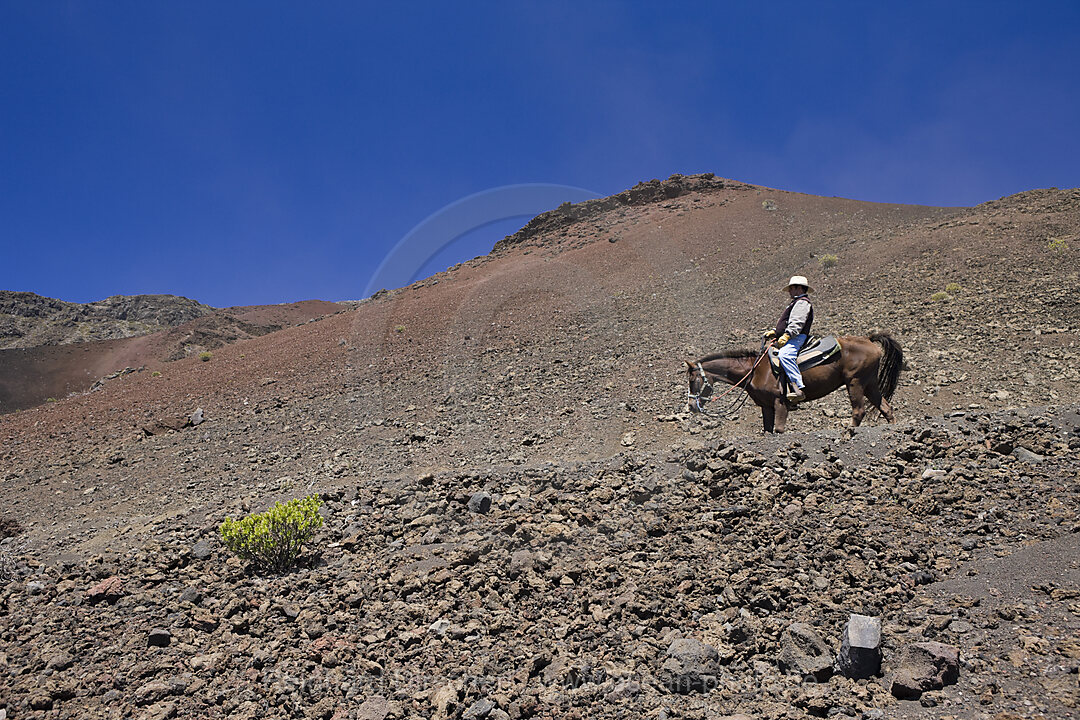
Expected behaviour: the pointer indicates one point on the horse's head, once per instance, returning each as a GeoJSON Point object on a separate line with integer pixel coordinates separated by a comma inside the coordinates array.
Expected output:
{"type": "Point", "coordinates": [700, 387]}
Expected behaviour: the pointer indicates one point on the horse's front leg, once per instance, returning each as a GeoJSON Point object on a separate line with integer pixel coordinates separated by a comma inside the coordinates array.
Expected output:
{"type": "Point", "coordinates": [768, 416]}
{"type": "Point", "coordinates": [780, 410]}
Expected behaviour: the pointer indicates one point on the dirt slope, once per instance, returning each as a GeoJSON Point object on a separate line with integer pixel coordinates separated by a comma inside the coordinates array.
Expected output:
{"type": "Point", "coordinates": [549, 374]}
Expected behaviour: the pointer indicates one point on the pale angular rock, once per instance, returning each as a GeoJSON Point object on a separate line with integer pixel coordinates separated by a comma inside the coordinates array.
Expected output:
{"type": "Point", "coordinates": [444, 700]}
{"type": "Point", "coordinates": [860, 648]}
{"type": "Point", "coordinates": [374, 708]}
{"type": "Point", "coordinates": [1025, 455]}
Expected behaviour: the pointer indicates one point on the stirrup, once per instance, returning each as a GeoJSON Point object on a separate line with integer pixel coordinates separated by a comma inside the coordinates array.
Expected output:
{"type": "Point", "coordinates": [796, 396]}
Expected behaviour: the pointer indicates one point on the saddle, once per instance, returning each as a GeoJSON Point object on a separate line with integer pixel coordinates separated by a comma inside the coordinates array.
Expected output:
{"type": "Point", "coordinates": [816, 351]}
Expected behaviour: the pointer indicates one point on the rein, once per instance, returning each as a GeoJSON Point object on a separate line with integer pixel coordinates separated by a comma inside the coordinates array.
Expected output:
{"type": "Point", "coordinates": [697, 398]}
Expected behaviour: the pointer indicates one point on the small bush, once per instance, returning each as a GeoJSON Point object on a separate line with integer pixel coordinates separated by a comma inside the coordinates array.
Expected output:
{"type": "Point", "coordinates": [50, 400]}
{"type": "Point", "coordinates": [828, 261]}
{"type": "Point", "coordinates": [952, 288]}
{"type": "Point", "coordinates": [274, 539]}
{"type": "Point", "coordinates": [399, 329]}
{"type": "Point", "coordinates": [941, 296]}
{"type": "Point", "coordinates": [156, 373]}
{"type": "Point", "coordinates": [1057, 244]}
{"type": "Point", "coordinates": [205, 355]}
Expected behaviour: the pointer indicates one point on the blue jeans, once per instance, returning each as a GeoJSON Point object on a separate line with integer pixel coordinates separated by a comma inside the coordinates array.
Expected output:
{"type": "Point", "coordinates": [787, 356]}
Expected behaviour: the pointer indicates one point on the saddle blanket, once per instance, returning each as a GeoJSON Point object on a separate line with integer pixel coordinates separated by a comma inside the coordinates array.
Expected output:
{"type": "Point", "coordinates": [817, 351]}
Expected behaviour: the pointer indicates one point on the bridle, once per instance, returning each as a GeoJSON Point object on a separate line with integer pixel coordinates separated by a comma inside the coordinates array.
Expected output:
{"type": "Point", "coordinates": [700, 395]}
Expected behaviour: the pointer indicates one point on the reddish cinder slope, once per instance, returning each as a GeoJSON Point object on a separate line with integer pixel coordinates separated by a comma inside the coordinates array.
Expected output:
{"type": "Point", "coordinates": [565, 340]}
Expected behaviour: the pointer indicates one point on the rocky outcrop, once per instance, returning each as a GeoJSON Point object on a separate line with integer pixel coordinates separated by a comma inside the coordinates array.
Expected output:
{"type": "Point", "coordinates": [644, 193]}
{"type": "Point", "coordinates": [29, 320]}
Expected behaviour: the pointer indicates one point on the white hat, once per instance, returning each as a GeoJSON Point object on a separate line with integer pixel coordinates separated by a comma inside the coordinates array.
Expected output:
{"type": "Point", "coordinates": [799, 280]}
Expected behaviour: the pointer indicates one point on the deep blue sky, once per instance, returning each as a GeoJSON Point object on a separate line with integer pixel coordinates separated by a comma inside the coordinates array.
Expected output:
{"type": "Point", "coordinates": [257, 152]}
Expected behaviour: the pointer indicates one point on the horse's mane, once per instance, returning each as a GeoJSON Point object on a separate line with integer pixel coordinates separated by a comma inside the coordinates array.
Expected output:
{"type": "Point", "coordinates": [738, 354]}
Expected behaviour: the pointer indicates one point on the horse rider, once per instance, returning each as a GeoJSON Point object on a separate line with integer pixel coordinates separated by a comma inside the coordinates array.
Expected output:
{"type": "Point", "coordinates": [791, 333]}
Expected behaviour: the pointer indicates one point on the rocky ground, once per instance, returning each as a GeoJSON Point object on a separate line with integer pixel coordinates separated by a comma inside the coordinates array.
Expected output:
{"type": "Point", "coordinates": [561, 590]}
{"type": "Point", "coordinates": [630, 550]}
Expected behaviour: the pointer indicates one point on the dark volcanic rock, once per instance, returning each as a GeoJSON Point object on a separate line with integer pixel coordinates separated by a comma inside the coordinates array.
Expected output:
{"type": "Point", "coordinates": [803, 652]}
{"type": "Point", "coordinates": [59, 661]}
{"type": "Point", "coordinates": [691, 666]}
{"type": "Point", "coordinates": [478, 710]}
{"type": "Point", "coordinates": [562, 601]}
{"type": "Point", "coordinates": [925, 666]}
{"type": "Point", "coordinates": [202, 549]}
{"type": "Point", "coordinates": [480, 502]}
{"type": "Point", "coordinates": [159, 637]}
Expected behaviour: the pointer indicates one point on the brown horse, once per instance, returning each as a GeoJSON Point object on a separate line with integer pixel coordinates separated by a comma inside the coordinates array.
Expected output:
{"type": "Point", "coordinates": [868, 366]}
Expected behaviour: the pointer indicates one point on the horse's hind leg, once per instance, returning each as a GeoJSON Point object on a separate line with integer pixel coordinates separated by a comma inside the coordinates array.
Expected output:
{"type": "Point", "coordinates": [874, 393]}
{"type": "Point", "coordinates": [858, 402]}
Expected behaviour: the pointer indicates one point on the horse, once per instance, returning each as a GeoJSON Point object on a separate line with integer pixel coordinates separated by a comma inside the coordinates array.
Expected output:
{"type": "Point", "coordinates": [868, 366]}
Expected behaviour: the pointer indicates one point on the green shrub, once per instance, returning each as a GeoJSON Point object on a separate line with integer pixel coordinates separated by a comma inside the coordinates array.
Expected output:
{"type": "Point", "coordinates": [274, 539]}
{"type": "Point", "coordinates": [828, 261]}
{"type": "Point", "coordinates": [953, 288]}
{"type": "Point", "coordinates": [941, 296]}
{"type": "Point", "coordinates": [156, 373]}
{"type": "Point", "coordinates": [1057, 244]}
{"type": "Point", "coordinates": [205, 355]}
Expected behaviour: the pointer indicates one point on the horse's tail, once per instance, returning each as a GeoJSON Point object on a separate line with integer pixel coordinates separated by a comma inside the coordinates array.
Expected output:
{"type": "Point", "coordinates": [892, 362]}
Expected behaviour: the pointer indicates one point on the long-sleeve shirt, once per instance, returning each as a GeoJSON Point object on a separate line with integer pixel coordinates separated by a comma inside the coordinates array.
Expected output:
{"type": "Point", "coordinates": [797, 319]}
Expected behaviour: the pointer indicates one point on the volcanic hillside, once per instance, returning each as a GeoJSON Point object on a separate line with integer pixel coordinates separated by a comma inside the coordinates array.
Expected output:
{"type": "Point", "coordinates": [29, 320]}
{"type": "Point", "coordinates": [622, 533]}
{"type": "Point", "coordinates": [50, 360]}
